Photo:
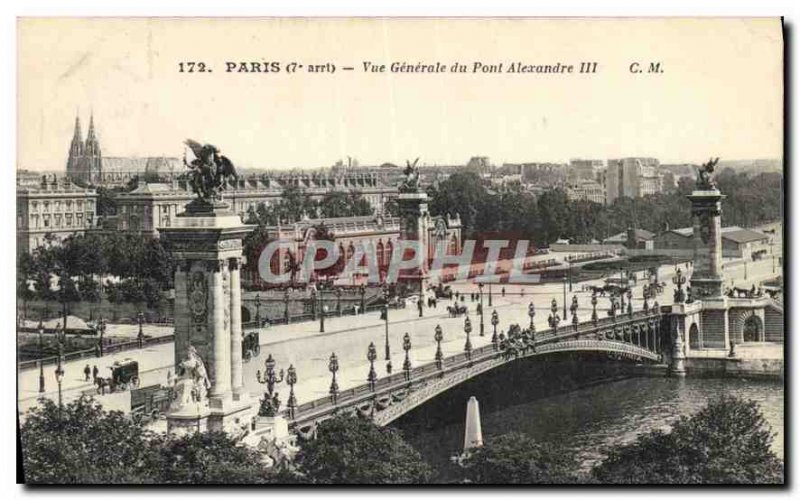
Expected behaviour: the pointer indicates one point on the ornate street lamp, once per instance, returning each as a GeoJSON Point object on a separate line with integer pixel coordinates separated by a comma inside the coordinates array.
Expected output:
{"type": "Point", "coordinates": [594, 306]}
{"type": "Point", "coordinates": [140, 337]}
{"type": "Point", "coordinates": [386, 319]}
{"type": "Point", "coordinates": [407, 361]}
{"type": "Point", "coordinates": [531, 314]}
{"type": "Point", "coordinates": [41, 356]}
{"type": "Point", "coordinates": [480, 293]}
{"type": "Point", "coordinates": [630, 302]}
{"type": "Point", "coordinates": [372, 377]}
{"type": "Point", "coordinates": [333, 367]}
{"type": "Point", "coordinates": [613, 309]}
{"type": "Point", "coordinates": [490, 289]}
{"type": "Point", "coordinates": [495, 321]}
{"type": "Point", "coordinates": [60, 377]}
{"type": "Point", "coordinates": [554, 318]}
{"type": "Point", "coordinates": [291, 380]}
{"type": "Point", "coordinates": [679, 280]}
{"type": "Point", "coordinates": [622, 302]}
{"type": "Point", "coordinates": [565, 297]}
{"type": "Point", "coordinates": [573, 308]}
{"type": "Point", "coordinates": [270, 379]}
{"type": "Point", "coordinates": [437, 336]}
{"type": "Point", "coordinates": [468, 344]}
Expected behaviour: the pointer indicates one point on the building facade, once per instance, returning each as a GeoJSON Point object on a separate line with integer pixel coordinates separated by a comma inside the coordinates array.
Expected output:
{"type": "Point", "coordinates": [152, 206]}
{"type": "Point", "coordinates": [632, 177]}
{"type": "Point", "coordinates": [736, 241]}
{"type": "Point", "coordinates": [350, 233]}
{"type": "Point", "coordinates": [55, 209]}
{"type": "Point", "coordinates": [586, 190]}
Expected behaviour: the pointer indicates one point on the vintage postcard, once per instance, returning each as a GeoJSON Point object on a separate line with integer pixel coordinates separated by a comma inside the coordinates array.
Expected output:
{"type": "Point", "coordinates": [385, 251]}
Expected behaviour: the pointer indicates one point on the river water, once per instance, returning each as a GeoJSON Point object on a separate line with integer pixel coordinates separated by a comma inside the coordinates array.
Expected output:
{"type": "Point", "coordinates": [588, 419]}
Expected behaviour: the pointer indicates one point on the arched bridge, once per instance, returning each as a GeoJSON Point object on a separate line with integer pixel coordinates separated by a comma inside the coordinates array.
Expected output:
{"type": "Point", "coordinates": [636, 336]}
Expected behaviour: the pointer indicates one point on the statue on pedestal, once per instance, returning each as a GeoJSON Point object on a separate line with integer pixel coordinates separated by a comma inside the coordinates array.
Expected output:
{"type": "Point", "coordinates": [208, 171]}
{"type": "Point", "coordinates": [704, 181]}
{"type": "Point", "coordinates": [411, 182]}
{"type": "Point", "coordinates": [193, 382]}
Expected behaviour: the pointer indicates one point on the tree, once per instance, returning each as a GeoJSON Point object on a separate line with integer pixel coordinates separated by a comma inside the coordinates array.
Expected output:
{"type": "Point", "coordinates": [515, 458]}
{"type": "Point", "coordinates": [204, 458]}
{"type": "Point", "coordinates": [727, 442]}
{"type": "Point", "coordinates": [352, 450]}
{"type": "Point", "coordinates": [81, 444]}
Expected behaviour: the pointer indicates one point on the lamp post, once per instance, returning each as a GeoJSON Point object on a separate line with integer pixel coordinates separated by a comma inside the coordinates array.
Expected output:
{"type": "Point", "coordinates": [286, 305]}
{"type": "Point", "coordinates": [321, 312]}
{"type": "Point", "coordinates": [101, 328]}
{"type": "Point", "coordinates": [468, 344]}
{"type": "Point", "coordinates": [258, 311]}
{"type": "Point", "coordinates": [437, 336]}
{"type": "Point", "coordinates": [291, 379]}
{"type": "Point", "coordinates": [140, 336]}
{"type": "Point", "coordinates": [270, 379]}
{"type": "Point", "coordinates": [646, 305]}
{"type": "Point", "coordinates": [333, 367]}
{"type": "Point", "coordinates": [569, 274]}
{"type": "Point", "coordinates": [679, 281]}
{"type": "Point", "coordinates": [630, 302]}
{"type": "Point", "coordinates": [60, 375]}
{"type": "Point", "coordinates": [490, 290]}
{"type": "Point", "coordinates": [613, 310]}
{"type": "Point", "coordinates": [338, 294]}
{"type": "Point", "coordinates": [495, 321]}
{"type": "Point", "coordinates": [41, 356]}
{"type": "Point", "coordinates": [386, 319]}
{"type": "Point", "coordinates": [362, 290]}
{"type": "Point", "coordinates": [372, 377]}
{"type": "Point", "coordinates": [480, 293]}
{"type": "Point", "coordinates": [554, 319]}
{"type": "Point", "coordinates": [407, 361]}
{"type": "Point", "coordinates": [622, 302]}
{"type": "Point", "coordinates": [573, 309]}
{"type": "Point", "coordinates": [531, 314]}
{"type": "Point", "coordinates": [594, 306]}
{"type": "Point", "coordinates": [565, 297]}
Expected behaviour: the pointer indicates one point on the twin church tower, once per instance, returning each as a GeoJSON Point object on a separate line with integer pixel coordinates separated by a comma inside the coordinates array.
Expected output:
{"type": "Point", "coordinates": [85, 160]}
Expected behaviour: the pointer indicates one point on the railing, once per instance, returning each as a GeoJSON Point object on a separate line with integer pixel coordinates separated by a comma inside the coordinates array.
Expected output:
{"type": "Point", "coordinates": [91, 353]}
{"type": "Point", "coordinates": [549, 341]}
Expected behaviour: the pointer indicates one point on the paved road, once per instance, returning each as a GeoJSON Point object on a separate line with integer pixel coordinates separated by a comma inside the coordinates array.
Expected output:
{"type": "Point", "coordinates": [303, 346]}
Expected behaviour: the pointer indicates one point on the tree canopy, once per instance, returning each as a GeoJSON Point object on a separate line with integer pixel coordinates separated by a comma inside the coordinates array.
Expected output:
{"type": "Point", "coordinates": [353, 450]}
{"type": "Point", "coordinates": [515, 458]}
{"type": "Point", "coordinates": [727, 442]}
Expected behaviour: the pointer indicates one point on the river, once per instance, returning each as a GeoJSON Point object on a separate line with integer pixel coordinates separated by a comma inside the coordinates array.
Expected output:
{"type": "Point", "coordinates": [588, 419]}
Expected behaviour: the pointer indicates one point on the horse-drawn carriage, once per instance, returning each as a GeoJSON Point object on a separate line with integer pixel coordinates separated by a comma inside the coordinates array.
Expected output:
{"type": "Point", "coordinates": [250, 345]}
{"type": "Point", "coordinates": [124, 376]}
{"type": "Point", "coordinates": [148, 403]}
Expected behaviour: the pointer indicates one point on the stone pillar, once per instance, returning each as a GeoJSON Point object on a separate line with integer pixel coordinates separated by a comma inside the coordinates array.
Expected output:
{"type": "Point", "coordinates": [220, 342]}
{"type": "Point", "coordinates": [677, 368]}
{"type": "Point", "coordinates": [181, 321]}
{"type": "Point", "coordinates": [707, 273]}
{"type": "Point", "coordinates": [237, 383]}
{"type": "Point", "coordinates": [473, 435]}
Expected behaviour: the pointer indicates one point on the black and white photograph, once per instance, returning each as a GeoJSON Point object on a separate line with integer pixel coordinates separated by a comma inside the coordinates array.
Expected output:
{"type": "Point", "coordinates": [459, 251]}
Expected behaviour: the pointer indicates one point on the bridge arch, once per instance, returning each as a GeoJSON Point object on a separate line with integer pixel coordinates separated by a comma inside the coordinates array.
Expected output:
{"type": "Point", "coordinates": [753, 329]}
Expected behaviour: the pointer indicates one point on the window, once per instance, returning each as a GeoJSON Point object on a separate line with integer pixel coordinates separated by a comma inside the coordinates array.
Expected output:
{"type": "Point", "coordinates": [80, 204]}
{"type": "Point", "coordinates": [34, 206]}
{"type": "Point", "coordinates": [79, 220]}
{"type": "Point", "coordinates": [58, 220]}
{"type": "Point", "coordinates": [46, 221]}
{"type": "Point", "coordinates": [69, 220]}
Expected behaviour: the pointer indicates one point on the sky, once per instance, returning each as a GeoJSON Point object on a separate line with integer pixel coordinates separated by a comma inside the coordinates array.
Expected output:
{"type": "Point", "coordinates": [720, 92]}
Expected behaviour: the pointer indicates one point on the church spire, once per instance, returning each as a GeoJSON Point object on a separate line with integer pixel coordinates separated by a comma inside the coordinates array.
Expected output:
{"type": "Point", "coordinates": [76, 135]}
{"type": "Point", "coordinates": [75, 150]}
{"type": "Point", "coordinates": [90, 136]}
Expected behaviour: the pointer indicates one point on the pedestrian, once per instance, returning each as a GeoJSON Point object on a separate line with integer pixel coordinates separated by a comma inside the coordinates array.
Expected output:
{"type": "Point", "coordinates": [95, 371]}
{"type": "Point", "coordinates": [389, 367]}
{"type": "Point", "coordinates": [503, 291]}
{"type": "Point", "coordinates": [86, 372]}
{"type": "Point", "coordinates": [170, 379]}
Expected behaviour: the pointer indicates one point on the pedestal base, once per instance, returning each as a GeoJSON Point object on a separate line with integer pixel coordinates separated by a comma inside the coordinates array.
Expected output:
{"type": "Point", "coordinates": [189, 419]}
{"type": "Point", "coordinates": [231, 414]}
